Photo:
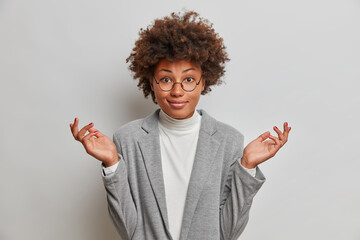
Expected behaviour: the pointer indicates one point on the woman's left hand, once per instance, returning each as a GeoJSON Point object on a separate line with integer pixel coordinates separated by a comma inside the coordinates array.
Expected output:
{"type": "Point", "coordinates": [259, 150]}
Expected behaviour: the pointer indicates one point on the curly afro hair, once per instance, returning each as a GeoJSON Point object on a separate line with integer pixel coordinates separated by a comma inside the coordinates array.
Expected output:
{"type": "Point", "coordinates": [178, 37]}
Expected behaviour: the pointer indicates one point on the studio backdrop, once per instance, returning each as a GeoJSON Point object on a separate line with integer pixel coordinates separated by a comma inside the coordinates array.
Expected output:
{"type": "Point", "coordinates": [294, 61]}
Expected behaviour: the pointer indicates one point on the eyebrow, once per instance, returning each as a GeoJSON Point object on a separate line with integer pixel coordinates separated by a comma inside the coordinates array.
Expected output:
{"type": "Point", "coordinates": [167, 70]}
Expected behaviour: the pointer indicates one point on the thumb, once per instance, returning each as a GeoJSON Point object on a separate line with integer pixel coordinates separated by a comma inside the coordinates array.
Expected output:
{"type": "Point", "coordinates": [97, 133]}
{"type": "Point", "coordinates": [263, 136]}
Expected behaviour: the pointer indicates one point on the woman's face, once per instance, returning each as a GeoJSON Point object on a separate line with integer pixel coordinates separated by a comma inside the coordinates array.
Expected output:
{"type": "Point", "coordinates": [177, 103]}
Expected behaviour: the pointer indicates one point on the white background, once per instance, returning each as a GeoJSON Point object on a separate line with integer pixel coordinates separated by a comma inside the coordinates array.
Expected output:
{"type": "Point", "coordinates": [295, 61]}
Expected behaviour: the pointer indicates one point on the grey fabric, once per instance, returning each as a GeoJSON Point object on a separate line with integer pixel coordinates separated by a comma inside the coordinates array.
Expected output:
{"type": "Point", "coordinates": [220, 191]}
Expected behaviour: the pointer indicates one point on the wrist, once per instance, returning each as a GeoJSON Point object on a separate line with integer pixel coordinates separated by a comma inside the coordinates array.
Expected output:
{"type": "Point", "coordinates": [246, 164]}
{"type": "Point", "coordinates": [111, 162]}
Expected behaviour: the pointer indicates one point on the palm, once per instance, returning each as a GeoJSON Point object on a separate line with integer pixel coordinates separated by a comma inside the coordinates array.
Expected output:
{"type": "Point", "coordinates": [260, 151]}
{"type": "Point", "coordinates": [101, 148]}
{"type": "Point", "coordinates": [95, 143]}
{"type": "Point", "coordinates": [262, 148]}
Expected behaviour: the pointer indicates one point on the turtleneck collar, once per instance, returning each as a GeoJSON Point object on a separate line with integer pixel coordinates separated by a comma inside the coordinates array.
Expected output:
{"type": "Point", "coordinates": [179, 124]}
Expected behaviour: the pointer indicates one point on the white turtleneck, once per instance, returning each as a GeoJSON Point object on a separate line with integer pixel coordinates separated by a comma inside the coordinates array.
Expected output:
{"type": "Point", "coordinates": [178, 142]}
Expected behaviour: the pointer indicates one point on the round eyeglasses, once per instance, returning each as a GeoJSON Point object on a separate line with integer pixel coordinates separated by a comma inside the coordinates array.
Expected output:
{"type": "Point", "coordinates": [188, 84]}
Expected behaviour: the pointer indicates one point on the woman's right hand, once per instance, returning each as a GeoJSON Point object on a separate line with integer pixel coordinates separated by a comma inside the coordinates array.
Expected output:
{"type": "Point", "coordinates": [95, 143]}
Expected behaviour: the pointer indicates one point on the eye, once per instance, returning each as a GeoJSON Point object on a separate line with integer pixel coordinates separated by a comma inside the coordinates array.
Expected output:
{"type": "Point", "coordinates": [189, 79]}
{"type": "Point", "coordinates": [165, 80]}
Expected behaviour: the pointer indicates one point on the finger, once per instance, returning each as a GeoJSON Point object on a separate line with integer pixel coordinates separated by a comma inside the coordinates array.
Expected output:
{"type": "Point", "coordinates": [270, 141]}
{"type": "Point", "coordinates": [74, 128]}
{"type": "Point", "coordinates": [98, 133]}
{"type": "Point", "coordinates": [286, 131]}
{"type": "Point", "coordinates": [88, 137]}
{"type": "Point", "coordinates": [279, 133]}
{"type": "Point", "coordinates": [277, 141]}
{"type": "Point", "coordinates": [91, 130]}
{"type": "Point", "coordinates": [263, 136]}
{"type": "Point", "coordinates": [87, 141]}
{"type": "Point", "coordinates": [286, 127]}
{"type": "Point", "coordinates": [82, 132]}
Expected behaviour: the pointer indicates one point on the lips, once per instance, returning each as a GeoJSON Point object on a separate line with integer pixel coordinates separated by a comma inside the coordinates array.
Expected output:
{"type": "Point", "coordinates": [177, 104]}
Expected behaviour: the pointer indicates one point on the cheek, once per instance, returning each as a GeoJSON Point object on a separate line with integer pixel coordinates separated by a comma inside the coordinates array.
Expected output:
{"type": "Point", "coordinates": [159, 95]}
{"type": "Point", "coordinates": [196, 96]}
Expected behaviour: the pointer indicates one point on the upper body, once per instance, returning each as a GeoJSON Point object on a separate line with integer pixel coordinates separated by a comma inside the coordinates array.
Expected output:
{"type": "Point", "coordinates": [220, 190]}
{"type": "Point", "coordinates": [176, 60]}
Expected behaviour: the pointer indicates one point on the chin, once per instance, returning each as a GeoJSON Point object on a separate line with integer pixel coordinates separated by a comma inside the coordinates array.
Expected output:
{"type": "Point", "coordinates": [178, 113]}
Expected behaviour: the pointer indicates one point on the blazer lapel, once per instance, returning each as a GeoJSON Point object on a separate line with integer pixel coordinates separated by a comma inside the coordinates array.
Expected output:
{"type": "Point", "coordinates": [150, 149]}
{"type": "Point", "coordinates": [207, 147]}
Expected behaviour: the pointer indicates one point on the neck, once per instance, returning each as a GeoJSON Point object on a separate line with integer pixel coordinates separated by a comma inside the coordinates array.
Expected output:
{"type": "Point", "coordinates": [179, 124]}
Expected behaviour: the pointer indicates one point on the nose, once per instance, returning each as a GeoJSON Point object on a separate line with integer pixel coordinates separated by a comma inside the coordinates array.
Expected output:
{"type": "Point", "coordinates": [177, 90]}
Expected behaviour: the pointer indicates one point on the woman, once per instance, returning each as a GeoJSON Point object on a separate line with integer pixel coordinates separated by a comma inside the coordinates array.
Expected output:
{"type": "Point", "coordinates": [179, 173]}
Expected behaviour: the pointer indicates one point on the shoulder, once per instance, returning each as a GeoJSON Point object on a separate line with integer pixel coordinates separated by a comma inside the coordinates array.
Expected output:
{"type": "Point", "coordinates": [128, 133]}
{"type": "Point", "coordinates": [220, 129]}
{"type": "Point", "coordinates": [129, 127]}
{"type": "Point", "coordinates": [229, 139]}
{"type": "Point", "coordinates": [227, 130]}
{"type": "Point", "coordinates": [137, 128]}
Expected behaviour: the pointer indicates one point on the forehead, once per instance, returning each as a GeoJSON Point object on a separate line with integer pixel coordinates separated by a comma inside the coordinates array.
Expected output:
{"type": "Point", "coordinates": [176, 66]}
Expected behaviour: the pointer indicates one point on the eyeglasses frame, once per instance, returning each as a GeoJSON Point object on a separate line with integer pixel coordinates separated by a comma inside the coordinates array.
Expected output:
{"type": "Point", "coordinates": [181, 83]}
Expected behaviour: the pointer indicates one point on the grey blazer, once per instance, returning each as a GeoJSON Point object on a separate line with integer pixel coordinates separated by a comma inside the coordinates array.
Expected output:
{"type": "Point", "coordinates": [220, 191]}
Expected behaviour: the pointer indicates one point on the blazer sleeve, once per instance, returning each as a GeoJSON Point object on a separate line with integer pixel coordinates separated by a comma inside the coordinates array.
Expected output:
{"type": "Point", "coordinates": [121, 205]}
{"type": "Point", "coordinates": [240, 189]}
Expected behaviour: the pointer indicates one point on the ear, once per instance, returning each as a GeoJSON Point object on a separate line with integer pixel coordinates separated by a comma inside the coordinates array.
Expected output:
{"type": "Point", "coordinates": [151, 81]}
{"type": "Point", "coordinates": [203, 82]}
